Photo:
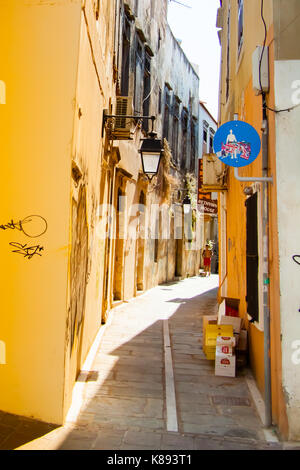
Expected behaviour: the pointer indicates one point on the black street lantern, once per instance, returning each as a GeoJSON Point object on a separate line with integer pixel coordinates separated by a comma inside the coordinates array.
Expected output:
{"type": "Point", "coordinates": [151, 151]}
{"type": "Point", "coordinates": [186, 204]}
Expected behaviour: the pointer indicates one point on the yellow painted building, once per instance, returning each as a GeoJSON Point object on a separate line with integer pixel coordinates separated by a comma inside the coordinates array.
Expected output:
{"type": "Point", "coordinates": [50, 154]}
{"type": "Point", "coordinates": [244, 25]}
{"type": "Point", "coordinates": [66, 258]}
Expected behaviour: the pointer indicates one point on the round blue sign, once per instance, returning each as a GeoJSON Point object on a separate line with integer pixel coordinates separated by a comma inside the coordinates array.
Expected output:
{"type": "Point", "coordinates": [237, 144]}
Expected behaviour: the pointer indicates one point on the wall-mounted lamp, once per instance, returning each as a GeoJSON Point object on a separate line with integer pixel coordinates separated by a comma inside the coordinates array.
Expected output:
{"type": "Point", "coordinates": [151, 149]}
{"type": "Point", "coordinates": [186, 204]}
{"type": "Point", "coordinates": [151, 152]}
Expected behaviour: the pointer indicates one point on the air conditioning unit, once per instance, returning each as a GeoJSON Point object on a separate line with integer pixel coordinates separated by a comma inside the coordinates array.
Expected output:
{"type": "Point", "coordinates": [220, 18]}
{"type": "Point", "coordinates": [122, 125]}
{"type": "Point", "coordinates": [214, 173]}
{"type": "Point", "coordinates": [260, 70]}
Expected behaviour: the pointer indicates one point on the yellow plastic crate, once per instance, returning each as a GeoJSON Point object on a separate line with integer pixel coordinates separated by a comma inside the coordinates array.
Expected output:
{"type": "Point", "coordinates": [211, 334]}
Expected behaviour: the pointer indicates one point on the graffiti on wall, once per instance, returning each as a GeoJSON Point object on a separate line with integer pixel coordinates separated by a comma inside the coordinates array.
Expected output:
{"type": "Point", "coordinates": [32, 226]}
{"type": "Point", "coordinates": [27, 251]}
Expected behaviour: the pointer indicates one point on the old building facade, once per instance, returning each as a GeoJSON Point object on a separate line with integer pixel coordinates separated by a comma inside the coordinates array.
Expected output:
{"type": "Point", "coordinates": [207, 201]}
{"type": "Point", "coordinates": [260, 87]}
{"type": "Point", "coordinates": [82, 226]}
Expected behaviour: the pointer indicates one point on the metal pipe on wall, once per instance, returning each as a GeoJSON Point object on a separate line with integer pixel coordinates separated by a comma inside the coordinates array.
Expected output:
{"type": "Point", "coordinates": [266, 279]}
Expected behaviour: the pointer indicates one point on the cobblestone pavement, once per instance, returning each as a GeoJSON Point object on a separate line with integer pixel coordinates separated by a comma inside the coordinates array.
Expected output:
{"type": "Point", "coordinates": [126, 396]}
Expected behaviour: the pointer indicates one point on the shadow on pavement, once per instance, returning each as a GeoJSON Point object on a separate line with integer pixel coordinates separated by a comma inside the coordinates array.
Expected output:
{"type": "Point", "coordinates": [124, 402]}
{"type": "Point", "coordinates": [125, 407]}
{"type": "Point", "coordinates": [16, 430]}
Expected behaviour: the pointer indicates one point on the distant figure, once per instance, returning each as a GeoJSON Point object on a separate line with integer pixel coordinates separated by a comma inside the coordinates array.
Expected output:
{"type": "Point", "coordinates": [207, 254]}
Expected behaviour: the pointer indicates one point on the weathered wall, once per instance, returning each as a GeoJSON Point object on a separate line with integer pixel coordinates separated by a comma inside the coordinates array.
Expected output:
{"type": "Point", "coordinates": [60, 64]}
{"type": "Point", "coordinates": [168, 64]}
{"type": "Point", "coordinates": [39, 44]}
{"type": "Point", "coordinates": [288, 199]}
{"type": "Point", "coordinates": [89, 187]}
{"type": "Point", "coordinates": [243, 101]}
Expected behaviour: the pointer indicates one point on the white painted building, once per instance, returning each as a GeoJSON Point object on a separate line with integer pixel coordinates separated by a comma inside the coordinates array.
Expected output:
{"type": "Point", "coordinates": [287, 95]}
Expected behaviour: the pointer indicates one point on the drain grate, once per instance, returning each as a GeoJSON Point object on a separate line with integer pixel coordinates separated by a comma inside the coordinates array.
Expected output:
{"type": "Point", "coordinates": [231, 401]}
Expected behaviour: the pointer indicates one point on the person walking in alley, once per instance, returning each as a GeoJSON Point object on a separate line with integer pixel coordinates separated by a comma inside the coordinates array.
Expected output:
{"type": "Point", "coordinates": [207, 254]}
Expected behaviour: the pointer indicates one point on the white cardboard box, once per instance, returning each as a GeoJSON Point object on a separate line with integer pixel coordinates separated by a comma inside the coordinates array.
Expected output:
{"type": "Point", "coordinates": [225, 364]}
{"type": "Point", "coordinates": [224, 349]}
{"type": "Point", "coordinates": [226, 341]}
{"type": "Point", "coordinates": [236, 322]}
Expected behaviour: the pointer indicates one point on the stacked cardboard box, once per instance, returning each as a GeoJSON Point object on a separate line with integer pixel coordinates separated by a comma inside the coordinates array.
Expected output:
{"type": "Point", "coordinates": [236, 322]}
{"type": "Point", "coordinates": [225, 360]}
{"type": "Point", "coordinates": [225, 341]}
{"type": "Point", "coordinates": [229, 307]}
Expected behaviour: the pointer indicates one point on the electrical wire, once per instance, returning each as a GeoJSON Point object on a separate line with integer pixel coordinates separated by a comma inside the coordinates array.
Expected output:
{"type": "Point", "coordinates": [265, 106]}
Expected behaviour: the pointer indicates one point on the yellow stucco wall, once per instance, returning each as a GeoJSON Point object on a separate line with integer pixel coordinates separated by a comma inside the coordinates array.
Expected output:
{"type": "Point", "coordinates": [38, 63]}
{"type": "Point", "coordinates": [243, 101]}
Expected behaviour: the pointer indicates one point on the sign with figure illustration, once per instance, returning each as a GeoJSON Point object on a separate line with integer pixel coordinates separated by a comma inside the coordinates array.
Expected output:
{"type": "Point", "coordinates": [237, 144]}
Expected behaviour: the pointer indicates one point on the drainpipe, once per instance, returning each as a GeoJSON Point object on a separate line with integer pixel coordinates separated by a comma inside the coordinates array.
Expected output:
{"type": "Point", "coordinates": [265, 179]}
{"type": "Point", "coordinates": [266, 279]}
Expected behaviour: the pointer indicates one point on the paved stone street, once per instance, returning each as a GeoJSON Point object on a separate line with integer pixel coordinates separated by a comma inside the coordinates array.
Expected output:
{"type": "Point", "coordinates": [128, 399]}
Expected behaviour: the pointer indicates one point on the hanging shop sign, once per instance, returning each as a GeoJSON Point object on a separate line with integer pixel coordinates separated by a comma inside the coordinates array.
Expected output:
{"type": "Point", "coordinates": [237, 143]}
{"type": "Point", "coordinates": [208, 207]}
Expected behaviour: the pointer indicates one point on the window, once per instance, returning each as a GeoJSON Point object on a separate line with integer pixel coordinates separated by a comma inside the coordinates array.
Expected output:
{"type": "Point", "coordinates": [125, 57]}
{"type": "Point", "coordinates": [159, 101]}
{"type": "Point", "coordinates": [166, 113]}
{"type": "Point", "coordinates": [184, 127]}
{"type": "Point", "coordinates": [193, 143]}
{"type": "Point", "coordinates": [147, 91]}
{"type": "Point", "coordinates": [205, 131]}
{"type": "Point", "coordinates": [211, 141]}
{"type": "Point", "coordinates": [176, 107]}
{"type": "Point", "coordinates": [139, 75]}
{"type": "Point", "coordinates": [158, 40]}
{"type": "Point", "coordinates": [240, 24]}
{"type": "Point", "coordinates": [158, 224]}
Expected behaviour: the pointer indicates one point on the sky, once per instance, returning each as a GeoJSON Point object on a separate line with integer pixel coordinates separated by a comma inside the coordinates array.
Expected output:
{"type": "Point", "coordinates": [196, 28]}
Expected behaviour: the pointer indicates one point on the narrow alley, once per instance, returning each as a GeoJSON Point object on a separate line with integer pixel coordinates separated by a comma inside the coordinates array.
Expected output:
{"type": "Point", "coordinates": [138, 396]}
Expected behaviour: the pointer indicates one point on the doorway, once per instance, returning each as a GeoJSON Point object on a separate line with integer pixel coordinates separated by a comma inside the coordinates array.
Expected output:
{"type": "Point", "coordinates": [140, 244]}
{"type": "Point", "coordinates": [252, 256]}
